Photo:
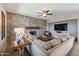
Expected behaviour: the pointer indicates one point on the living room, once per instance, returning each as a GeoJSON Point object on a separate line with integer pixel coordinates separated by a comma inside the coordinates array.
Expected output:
{"type": "Point", "coordinates": [28, 25]}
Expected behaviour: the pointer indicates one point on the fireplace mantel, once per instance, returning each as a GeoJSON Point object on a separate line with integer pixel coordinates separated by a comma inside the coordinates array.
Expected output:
{"type": "Point", "coordinates": [32, 27]}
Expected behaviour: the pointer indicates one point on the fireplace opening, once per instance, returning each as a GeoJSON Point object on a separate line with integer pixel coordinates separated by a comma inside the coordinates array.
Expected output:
{"type": "Point", "coordinates": [33, 32]}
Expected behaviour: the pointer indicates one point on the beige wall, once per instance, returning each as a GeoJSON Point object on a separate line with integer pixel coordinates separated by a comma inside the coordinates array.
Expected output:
{"type": "Point", "coordinates": [4, 41]}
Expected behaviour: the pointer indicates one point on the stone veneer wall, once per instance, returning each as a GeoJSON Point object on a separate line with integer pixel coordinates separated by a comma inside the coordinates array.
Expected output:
{"type": "Point", "coordinates": [20, 21]}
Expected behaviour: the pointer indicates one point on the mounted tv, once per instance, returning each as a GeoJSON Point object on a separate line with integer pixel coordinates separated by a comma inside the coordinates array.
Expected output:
{"type": "Point", "coordinates": [60, 27]}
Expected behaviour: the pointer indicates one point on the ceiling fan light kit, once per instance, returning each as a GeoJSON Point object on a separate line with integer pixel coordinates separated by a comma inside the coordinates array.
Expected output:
{"type": "Point", "coordinates": [45, 13]}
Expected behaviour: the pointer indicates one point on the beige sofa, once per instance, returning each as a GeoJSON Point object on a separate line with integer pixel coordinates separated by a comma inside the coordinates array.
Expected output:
{"type": "Point", "coordinates": [60, 50]}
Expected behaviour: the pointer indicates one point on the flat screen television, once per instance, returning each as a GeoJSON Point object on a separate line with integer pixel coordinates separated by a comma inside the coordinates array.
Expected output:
{"type": "Point", "coordinates": [60, 27]}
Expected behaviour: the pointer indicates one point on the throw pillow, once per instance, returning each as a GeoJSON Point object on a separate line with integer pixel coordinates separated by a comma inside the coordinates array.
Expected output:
{"type": "Point", "coordinates": [54, 42]}
{"type": "Point", "coordinates": [45, 45]}
{"type": "Point", "coordinates": [66, 34]}
{"type": "Point", "coordinates": [63, 38]}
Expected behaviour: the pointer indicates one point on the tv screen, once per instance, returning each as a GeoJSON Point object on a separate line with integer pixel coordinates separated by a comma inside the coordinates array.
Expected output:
{"type": "Point", "coordinates": [60, 27]}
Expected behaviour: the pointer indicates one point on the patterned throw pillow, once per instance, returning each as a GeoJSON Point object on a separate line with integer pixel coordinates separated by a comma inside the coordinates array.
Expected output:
{"type": "Point", "coordinates": [45, 45]}
{"type": "Point", "coordinates": [63, 38]}
{"type": "Point", "coordinates": [54, 42]}
{"type": "Point", "coordinates": [66, 34]}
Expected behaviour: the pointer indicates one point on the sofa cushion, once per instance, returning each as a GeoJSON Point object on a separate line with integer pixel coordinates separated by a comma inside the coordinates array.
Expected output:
{"type": "Point", "coordinates": [42, 44]}
{"type": "Point", "coordinates": [65, 34]}
{"type": "Point", "coordinates": [54, 42]}
{"type": "Point", "coordinates": [63, 39]}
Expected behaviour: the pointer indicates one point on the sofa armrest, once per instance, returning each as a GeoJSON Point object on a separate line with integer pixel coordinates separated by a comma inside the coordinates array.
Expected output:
{"type": "Point", "coordinates": [36, 50]}
{"type": "Point", "coordinates": [62, 49]}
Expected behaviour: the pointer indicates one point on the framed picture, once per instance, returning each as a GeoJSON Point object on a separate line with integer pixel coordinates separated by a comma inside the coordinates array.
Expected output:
{"type": "Point", "coordinates": [3, 25]}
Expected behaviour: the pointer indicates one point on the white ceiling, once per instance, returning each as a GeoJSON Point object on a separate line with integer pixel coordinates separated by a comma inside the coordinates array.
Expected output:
{"type": "Point", "coordinates": [31, 9]}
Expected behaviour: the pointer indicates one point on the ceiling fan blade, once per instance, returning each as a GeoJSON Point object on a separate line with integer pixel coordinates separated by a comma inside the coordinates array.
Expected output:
{"type": "Point", "coordinates": [39, 15]}
{"type": "Point", "coordinates": [49, 13]}
{"type": "Point", "coordinates": [51, 10]}
{"type": "Point", "coordinates": [40, 12]}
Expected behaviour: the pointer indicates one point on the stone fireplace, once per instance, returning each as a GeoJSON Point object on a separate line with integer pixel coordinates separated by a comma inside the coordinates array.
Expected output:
{"type": "Point", "coordinates": [35, 31]}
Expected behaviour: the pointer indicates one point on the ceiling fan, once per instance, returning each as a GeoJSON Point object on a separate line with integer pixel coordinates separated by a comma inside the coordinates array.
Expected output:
{"type": "Point", "coordinates": [45, 12]}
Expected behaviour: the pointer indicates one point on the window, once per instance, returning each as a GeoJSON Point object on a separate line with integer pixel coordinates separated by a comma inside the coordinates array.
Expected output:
{"type": "Point", "coordinates": [19, 33]}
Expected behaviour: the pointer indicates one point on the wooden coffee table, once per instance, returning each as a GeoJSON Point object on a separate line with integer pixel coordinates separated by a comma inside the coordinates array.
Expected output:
{"type": "Point", "coordinates": [20, 47]}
